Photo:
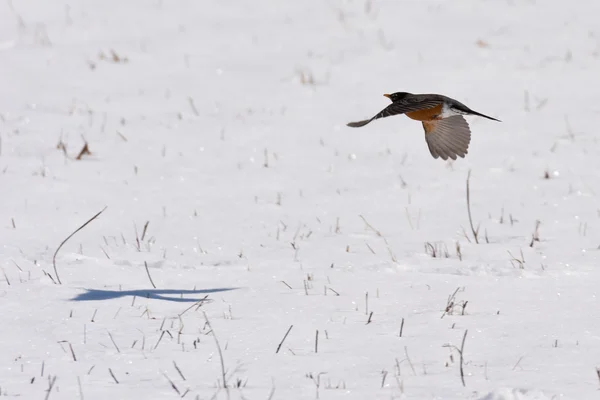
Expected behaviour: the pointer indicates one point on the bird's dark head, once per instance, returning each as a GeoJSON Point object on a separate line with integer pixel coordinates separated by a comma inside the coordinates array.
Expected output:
{"type": "Point", "coordinates": [396, 96]}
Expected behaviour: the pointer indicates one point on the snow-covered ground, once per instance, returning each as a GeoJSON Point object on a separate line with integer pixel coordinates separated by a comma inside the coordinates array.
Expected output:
{"type": "Point", "coordinates": [220, 126]}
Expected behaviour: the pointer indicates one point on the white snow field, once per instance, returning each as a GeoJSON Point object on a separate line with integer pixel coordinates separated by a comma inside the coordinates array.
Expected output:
{"type": "Point", "coordinates": [219, 147]}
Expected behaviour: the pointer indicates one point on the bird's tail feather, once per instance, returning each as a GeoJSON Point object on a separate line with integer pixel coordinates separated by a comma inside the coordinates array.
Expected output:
{"type": "Point", "coordinates": [484, 116]}
{"type": "Point", "coordinates": [358, 124]}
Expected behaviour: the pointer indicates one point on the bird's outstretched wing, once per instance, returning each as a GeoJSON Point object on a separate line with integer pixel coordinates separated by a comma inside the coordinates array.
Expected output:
{"type": "Point", "coordinates": [447, 137]}
{"type": "Point", "coordinates": [403, 106]}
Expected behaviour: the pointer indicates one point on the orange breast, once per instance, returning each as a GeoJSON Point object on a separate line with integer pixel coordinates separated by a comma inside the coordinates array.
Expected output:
{"type": "Point", "coordinates": [425, 115]}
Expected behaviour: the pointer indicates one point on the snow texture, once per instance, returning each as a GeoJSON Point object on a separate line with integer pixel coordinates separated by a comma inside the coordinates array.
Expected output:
{"type": "Point", "coordinates": [515, 394]}
{"type": "Point", "coordinates": [216, 138]}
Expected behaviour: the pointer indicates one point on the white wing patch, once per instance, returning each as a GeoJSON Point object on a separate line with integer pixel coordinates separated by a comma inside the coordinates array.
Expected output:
{"type": "Point", "coordinates": [448, 111]}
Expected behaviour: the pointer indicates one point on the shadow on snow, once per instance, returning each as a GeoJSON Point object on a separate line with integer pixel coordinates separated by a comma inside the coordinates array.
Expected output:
{"type": "Point", "coordinates": [158, 294]}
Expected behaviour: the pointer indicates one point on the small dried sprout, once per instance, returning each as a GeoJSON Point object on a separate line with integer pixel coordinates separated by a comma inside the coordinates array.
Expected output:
{"type": "Point", "coordinates": [113, 57]}
{"type": "Point", "coordinates": [403, 183]}
{"type": "Point", "coordinates": [85, 150]}
{"type": "Point", "coordinates": [62, 147]}
{"type": "Point", "coordinates": [116, 58]}
{"type": "Point", "coordinates": [193, 106]}
{"type": "Point", "coordinates": [535, 237]}
{"type": "Point", "coordinates": [340, 385]}
{"type": "Point", "coordinates": [437, 250]}
{"type": "Point", "coordinates": [383, 41]}
{"type": "Point", "coordinates": [517, 261]}
{"type": "Point", "coordinates": [41, 35]}
{"type": "Point", "coordinates": [453, 305]}
{"type": "Point", "coordinates": [141, 240]}
{"type": "Point", "coordinates": [598, 373]}
{"type": "Point", "coordinates": [463, 306]}
{"type": "Point", "coordinates": [568, 56]}
{"type": "Point", "coordinates": [541, 103]}
{"type": "Point", "coordinates": [307, 286]}
{"type": "Point", "coordinates": [370, 248]}
{"type": "Point", "coordinates": [569, 129]}
{"type": "Point", "coordinates": [461, 352]}
{"type": "Point", "coordinates": [370, 227]}
{"type": "Point", "coordinates": [450, 358]}
{"type": "Point", "coordinates": [228, 314]}
{"type": "Point", "coordinates": [306, 77]}
{"type": "Point", "coordinates": [392, 255]}
{"type": "Point", "coordinates": [384, 374]}
{"type": "Point", "coordinates": [316, 380]}
{"type": "Point", "coordinates": [482, 44]}
{"type": "Point", "coordinates": [239, 383]}
{"type": "Point", "coordinates": [546, 174]}
{"type": "Point", "coordinates": [458, 251]}
{"type": "Point", "coordinates": [583, 228]}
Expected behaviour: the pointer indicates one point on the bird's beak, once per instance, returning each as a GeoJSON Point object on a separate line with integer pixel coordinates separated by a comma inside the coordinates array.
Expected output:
{"type": "Point", "coordinates": [389, 96]}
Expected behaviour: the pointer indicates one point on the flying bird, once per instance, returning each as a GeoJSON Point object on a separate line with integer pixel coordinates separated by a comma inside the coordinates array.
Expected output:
{"type": "Point", "coordinates": [446, 131]}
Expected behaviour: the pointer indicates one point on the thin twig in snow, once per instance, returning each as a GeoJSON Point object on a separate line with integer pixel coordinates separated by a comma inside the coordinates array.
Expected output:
{"type": "Point", "coordinates": [69, 237]}
{"type": "Point", "coordinates": [113, 375]}
{"type": "Point", "coordinates": [462, 350]}
{"type": "Point", "coordinates": [401, 328]}
{"type": "Point", "coordinates": [172, 384]}
{"type": "Point", "coordinates": [113, 342]}
{"type": "Point", "coordinates": [178, 370]}
{"type": "Point", "coordinates": [475, 231]}
{"type": "Point", "coordinates": [409, 362]}
{"type": "Point", "coordinates": [370, 226]}
{"type": "Point", "coordinates": [80, 388]}
{"type": "Point", "coordinates": [283, 340]}
{"type": "Point", "coordinates": [72, 352]}
{"type": "Point", "coordinates": [285, 283]}
{"type": "Point", "coordinates": [219, 349]}
{"type": "Point", "coordinates": [144, 230]}
{"type": "Point", "coordinates": [198, 303]}
{"type": "Point", "coordinates": [52, 381]}
{"type": "Point", "coordinates": [149, 277]}
{"type": "Point", "coordinates": [193, 106]}
{"type": "Point", "coordinates": [461, 355]}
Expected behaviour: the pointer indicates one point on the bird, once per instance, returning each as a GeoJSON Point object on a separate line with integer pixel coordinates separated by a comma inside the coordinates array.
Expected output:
{"type": "Point", "coordinates": [447, 133]}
